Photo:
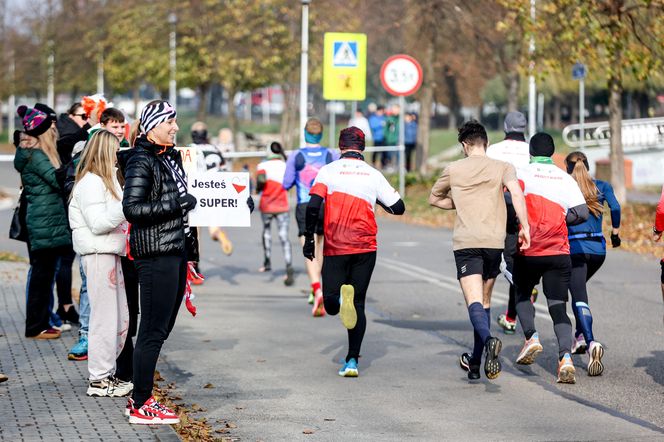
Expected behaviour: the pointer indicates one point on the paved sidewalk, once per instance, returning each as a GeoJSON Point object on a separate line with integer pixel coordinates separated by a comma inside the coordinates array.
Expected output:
{"type": "Point", "coordinates": [44, 398]}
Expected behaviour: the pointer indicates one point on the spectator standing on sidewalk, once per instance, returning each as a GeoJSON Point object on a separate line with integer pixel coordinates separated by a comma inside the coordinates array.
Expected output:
{"type": "Point", "coordinates": [48, 229]}
{"type": "Point", "coordinates": [410, 139]}
{"type": "Point", "coordinates": [360, 121]}
{"type": "Point", "coordinates": [377, 124]}
{"type": "Point", "coordinates": [99, 235]}
{"type": "Point", "coordinates": [156, 203]}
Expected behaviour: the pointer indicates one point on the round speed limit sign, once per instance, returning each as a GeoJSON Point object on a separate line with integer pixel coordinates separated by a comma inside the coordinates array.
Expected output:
{"type": "Point", "coordinates": [401, 75]}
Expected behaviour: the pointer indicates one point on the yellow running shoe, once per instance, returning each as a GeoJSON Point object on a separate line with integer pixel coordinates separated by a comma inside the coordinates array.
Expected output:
{"type": "Point", "coordinates": [347, 309]}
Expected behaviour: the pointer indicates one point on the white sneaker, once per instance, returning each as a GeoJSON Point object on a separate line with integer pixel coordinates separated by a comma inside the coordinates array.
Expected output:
{"type": "Point", "coordinates": [531, 348]}
{"type": "Point", "coordinates": [101, 388]}
{"type": "Point", "coordinates": [595, 366]}
{"type": "Point", "coordinates": [121, 388]}
{"type": "Point", "coordinates": [579, 345]}
{"type": "Point", "coordinates": [63, 327]}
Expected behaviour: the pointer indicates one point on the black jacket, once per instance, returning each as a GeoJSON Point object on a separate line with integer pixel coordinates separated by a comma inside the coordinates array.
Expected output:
{"type": "Point", "coordinates": [69, 133]}
{"type": "Point", "coordinates": [150, 203]}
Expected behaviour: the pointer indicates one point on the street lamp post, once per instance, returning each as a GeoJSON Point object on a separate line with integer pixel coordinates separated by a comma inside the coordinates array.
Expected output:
{"type": "Point", "coordinates": [532, 89]}
{"type": "Point", "coordinates": [50, 94]}
{"type": "Point", "coordinates": [172, 84]}
{"type": "Point", "coordinates": [304, 69]}
{"type": "Point", "coordinates": [12, 98]}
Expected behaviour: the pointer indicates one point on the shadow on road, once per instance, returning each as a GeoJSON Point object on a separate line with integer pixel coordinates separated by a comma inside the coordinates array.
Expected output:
{"type": "Point", "coordinates": [654, 366]}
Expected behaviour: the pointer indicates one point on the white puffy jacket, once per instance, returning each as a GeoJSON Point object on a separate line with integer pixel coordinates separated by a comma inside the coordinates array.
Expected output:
{"type": "Point", "coordinates": [96, 219]}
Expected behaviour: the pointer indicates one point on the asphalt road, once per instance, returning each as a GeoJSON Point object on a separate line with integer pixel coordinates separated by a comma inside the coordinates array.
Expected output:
{"type": "Point", "coordinates": [273, 367]}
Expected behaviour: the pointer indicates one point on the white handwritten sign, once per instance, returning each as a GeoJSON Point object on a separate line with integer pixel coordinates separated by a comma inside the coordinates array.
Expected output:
{"type": "Point", "coordinates": [222, 199]}
{"type": "Point", "coordinates": [189, 159]}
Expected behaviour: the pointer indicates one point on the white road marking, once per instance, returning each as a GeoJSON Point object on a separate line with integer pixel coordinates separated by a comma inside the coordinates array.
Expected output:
{"type": "Point", "coordinates": [445, 282]}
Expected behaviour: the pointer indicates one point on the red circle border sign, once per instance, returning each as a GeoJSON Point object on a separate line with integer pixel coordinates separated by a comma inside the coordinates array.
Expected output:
{"type": "Point", "coordinates": [411, 60]}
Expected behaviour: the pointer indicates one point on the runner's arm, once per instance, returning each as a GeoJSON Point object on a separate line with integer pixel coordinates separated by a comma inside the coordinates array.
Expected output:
{"type": "Point", "coordinates": [519, 204]}
{"type": "Point", "coordinates": [290, 174]}
{"type": "Point", "coordinates": [613, 203]}
{"type": "Point", "coordinates": [260, 181]}
{"type": "Point", "coordinates": [659, 214]}
{"type": "Point", "coordinates": [440, 191]}
{"type": "Point", "coordinates": [577, 214]}
{"type": "Point", "coordinates": [397, 208]}
{"type": "Point", "coordinates": [312, 214]}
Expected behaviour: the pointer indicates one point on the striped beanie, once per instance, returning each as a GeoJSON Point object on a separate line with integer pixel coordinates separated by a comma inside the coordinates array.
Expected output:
{"type": "Point", "coordinates": [35, 122]}
{"type": "Point", "coordinates": [155, 114]}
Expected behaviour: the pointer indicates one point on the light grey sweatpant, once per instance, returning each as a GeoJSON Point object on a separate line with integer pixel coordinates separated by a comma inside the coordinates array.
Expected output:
{"type": "Point", "coordinates": [109, 316]}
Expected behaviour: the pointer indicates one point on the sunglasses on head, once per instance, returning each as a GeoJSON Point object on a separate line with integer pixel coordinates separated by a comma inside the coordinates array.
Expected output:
{"type": "Point", "coordinates": [83, 116]}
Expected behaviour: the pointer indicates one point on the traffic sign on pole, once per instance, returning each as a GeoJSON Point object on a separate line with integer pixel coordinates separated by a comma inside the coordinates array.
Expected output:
{"type": "Point", "coordinates": [578, 71]}
{"type": "Point", "coordinates": [344, 66]}
{"type": "Point", "coordinates": [401, 75]}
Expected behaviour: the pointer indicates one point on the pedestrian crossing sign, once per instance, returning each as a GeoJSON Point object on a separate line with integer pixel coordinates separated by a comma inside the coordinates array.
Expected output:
{"type": "Point", "coordinates": [344, 66]}
{"type": "Point", "coordinates": [345, 54]}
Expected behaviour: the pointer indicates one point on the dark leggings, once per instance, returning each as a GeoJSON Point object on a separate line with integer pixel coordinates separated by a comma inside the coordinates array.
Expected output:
{"type": "Point", "coordinates": [63, 276]}
{"type": "Point", "coordinates": [511, 245]}
{"type": "Point", "coordinates": [355, 270]}
{"type": "Point", "coordinates": [43, 262]}
{"type": "Point", "coordinates": [162, 281]}
{"type": "Point", "coordinates": [125, 362]}
{"type": "Point", "coordinates": [555, 274]}
{"type": "Point", "coordinates": [584, 266]}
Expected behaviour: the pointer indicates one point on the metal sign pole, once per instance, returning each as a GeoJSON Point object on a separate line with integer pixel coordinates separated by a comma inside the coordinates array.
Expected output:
{"type": "Point", "coordinates": [333, 121]}
{"type": "Point", "coordinates": [402, 147]}
{"type": "Point", "coordinates": [582, 93]}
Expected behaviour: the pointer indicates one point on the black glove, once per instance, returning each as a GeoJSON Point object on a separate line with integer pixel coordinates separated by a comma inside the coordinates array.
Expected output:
{"type": "Point", "coordinates": [615, 240]}
{"type": "Point", "coordinates": [250, 204]}
{"type": "Point", "coordinates": [187, 202]}
{"type": "Point", "coordinates": [17, 138]}
{"type": "Point", "coordinates": [309, 248]}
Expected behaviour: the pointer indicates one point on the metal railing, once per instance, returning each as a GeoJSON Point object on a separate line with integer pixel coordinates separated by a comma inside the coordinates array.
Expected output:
{"type": "Point", "coordinates": [401, 168]}
{"type": "Point", "coordinates": [637, 134]}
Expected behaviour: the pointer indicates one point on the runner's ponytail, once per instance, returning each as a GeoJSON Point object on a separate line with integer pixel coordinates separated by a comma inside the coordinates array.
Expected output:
{"type": "Point", "coordinates": [577, 166]}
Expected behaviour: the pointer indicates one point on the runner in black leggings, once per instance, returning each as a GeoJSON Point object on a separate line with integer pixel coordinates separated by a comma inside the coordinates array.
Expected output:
{"type": "Point", "coordinates": [350, 189]}
{"type": "Point", "coordinates": [588, 250]}
{"type": "Point", "coordinates": [554, 202]}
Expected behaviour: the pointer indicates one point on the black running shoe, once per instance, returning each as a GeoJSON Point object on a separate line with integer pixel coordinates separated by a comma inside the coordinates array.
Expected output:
{"type": "Point", "coordinates": [492, 365]}
{"type": "Point", "coordinates": [472, 369]}
{"type": "Point", "coordinates": [464, 361]}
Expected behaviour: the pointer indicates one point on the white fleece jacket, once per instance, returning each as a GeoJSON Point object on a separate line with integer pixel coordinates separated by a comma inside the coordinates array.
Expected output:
{"type": "Point", "coordinates": [96, 219]}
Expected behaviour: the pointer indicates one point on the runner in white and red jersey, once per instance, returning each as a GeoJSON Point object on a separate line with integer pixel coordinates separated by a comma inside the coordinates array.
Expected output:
{"type": "Point", "coordinates": [274, 205]}
{"type": "Point", "coordinates": [350, 188]}
{"type": "Point", "coordinates": [514, 150]}
{"type": "Point", "coordinates": [657, 230]}
{"type": "Point", "coordinates": [554, 201]}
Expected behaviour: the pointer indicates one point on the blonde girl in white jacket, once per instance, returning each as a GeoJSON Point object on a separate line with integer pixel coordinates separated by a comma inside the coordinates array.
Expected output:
{"type": "Point", "coordinates": [99, 236]}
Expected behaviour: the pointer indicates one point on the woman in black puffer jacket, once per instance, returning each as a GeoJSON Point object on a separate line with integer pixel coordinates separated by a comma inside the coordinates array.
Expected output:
{"type": "Point", "coordinates": [156, 203]}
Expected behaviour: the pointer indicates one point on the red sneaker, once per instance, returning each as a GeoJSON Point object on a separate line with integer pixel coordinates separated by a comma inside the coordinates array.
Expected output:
{"type": "Point", "coordinates": [50, 333]}
{"type": "Point", "coordinates": [152, 412]}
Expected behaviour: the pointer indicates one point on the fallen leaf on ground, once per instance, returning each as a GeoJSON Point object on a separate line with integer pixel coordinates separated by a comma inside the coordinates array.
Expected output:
{"type": "Point", "coordinates": [208, 385]}
{"type": "Point", "coordinates": [230, 425]}
{"type": "Point", "coordinates": [260, 360]}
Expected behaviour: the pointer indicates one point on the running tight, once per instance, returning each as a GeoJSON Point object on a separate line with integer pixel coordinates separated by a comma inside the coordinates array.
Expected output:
{"type": "Point", "coordinates": [584, 266]}
{"type": "Point", "coordinates": [555, 274]}
{"type": "Point", "coordinates": [283, 221]}
{"type": "Point", "coordinates": [355, 270]}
